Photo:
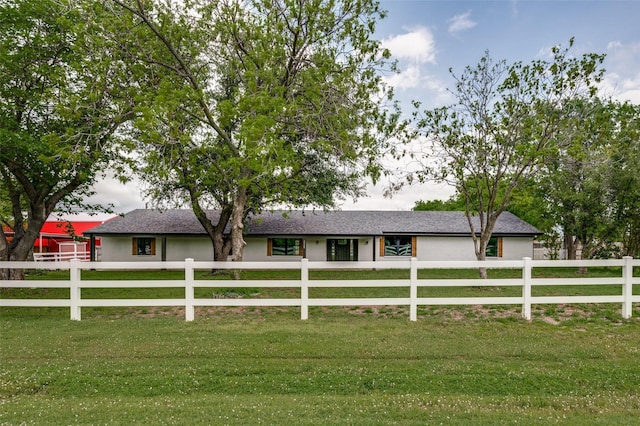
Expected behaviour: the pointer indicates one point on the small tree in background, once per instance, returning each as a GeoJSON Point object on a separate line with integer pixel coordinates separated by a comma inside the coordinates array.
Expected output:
{"type": "Point", "coordinates": [501, 130]}
{"type": "Point", "coordinates": [591, 184]}
{"type": "Point", "coordinates": [625, 176]}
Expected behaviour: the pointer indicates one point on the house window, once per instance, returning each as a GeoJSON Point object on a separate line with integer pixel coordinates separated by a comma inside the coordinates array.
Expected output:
{"type": "Point", "coordinates": [144, 246]}
{"type": "Point", "coordinates": [285, 247]}
{"type": "Point", "coordinates": [494, 247]}
{"type": "Point", "coordinates": [398, 245]}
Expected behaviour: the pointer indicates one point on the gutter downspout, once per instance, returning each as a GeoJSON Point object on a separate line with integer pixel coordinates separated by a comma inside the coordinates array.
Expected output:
{"type": "Point", "coordinates": [373, 246]}
{"type": "Point", "coordinates": [92, 248]}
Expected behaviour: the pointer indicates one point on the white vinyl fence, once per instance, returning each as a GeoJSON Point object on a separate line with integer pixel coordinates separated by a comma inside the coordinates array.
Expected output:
{"type": "Point", "coordinates": [189, 283]}
{"type": "Point", "coordinates": [60, 256]}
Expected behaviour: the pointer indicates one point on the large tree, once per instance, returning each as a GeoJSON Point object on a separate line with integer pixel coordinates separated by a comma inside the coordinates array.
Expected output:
{"type": "Point", "coordinates": [501, 129]}
{"type": "Point", "coordinates": [591, 184]}
{"type": "Point", "coordinates": [56, 121]}
{"type": "Point", "coordinates": [574, 177]}
{"type": "Point", "coordinates": [624, 177]}
{"type": "Point", "coordinates": [256, 103]}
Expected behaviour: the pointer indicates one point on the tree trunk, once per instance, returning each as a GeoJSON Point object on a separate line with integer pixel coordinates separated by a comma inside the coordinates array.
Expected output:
{"type": "Point", "coordinates": [480, 244]}
{"type": "Point", "coordinates": [480, 247]}
{"type": "Point", "coordinates": [237, 228]}
{"type": "Point", "coordinates": [487, 224]}
{"type": "Point", "coordinates": [21, 246]}
{"type": "Point", "coordinates": [570, 247]}
{"type": "Point", "coordinates": [221, 244]}
{"type": "Point", "coordinates": [4, 253]}
{"type": "Point", "coordinates": [482, 271]}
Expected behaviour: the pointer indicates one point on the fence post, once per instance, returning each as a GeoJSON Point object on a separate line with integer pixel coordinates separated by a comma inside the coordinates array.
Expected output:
{"type": "Point", "coordinates": [627, 288]}
{"type": "Point", "coordinates": [304, 289]}
{"type": "Point", "coordinates": [413, 290]}
{"type": "Point", "coordinates": [75, 291]}
{"type": "Point", "coordinates": [189, 294]}
{"type": "Point", "coordinates": [526, 288]}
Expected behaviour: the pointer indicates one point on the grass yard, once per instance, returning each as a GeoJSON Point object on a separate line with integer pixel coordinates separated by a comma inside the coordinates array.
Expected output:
{"type": "Point", "coordinates": [271, 368]}
{"type": "Point", "coordinates": [357, 366]}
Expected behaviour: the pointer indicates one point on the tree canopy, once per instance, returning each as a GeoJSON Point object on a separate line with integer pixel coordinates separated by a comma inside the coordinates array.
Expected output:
{"type": "Point", "coordinates": [255, 103]}
{"type": "Point", "coordinates": [586, 196]}
{"type": "Point", "coordinates": [590, 186]}
{"type": "Point", "coordinates": [57, 121]}
{"type": "Point", "coordinates": [501, 129]}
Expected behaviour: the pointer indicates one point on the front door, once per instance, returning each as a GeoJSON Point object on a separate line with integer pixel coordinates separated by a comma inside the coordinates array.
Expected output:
{"type": "Point", "coordinates": [342, 250]}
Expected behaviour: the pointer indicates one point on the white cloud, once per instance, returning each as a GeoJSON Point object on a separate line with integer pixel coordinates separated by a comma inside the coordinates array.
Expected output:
{"type": "Point", "coordinates": [461, 23]}
{"type": "Point", "coordinates": [413, 77]}
{"type": "Point", "coordinates": [621, 89]}
{"type": "Point", "coordinates": [406, 79]}
{"type": "Point", "coordinates": [403, 200]}
{"type": "Point", "coordinates": [418, 46]}
{"type": "Point", "coordinates": [123, 197]}
{"type": "Point", "coordinates": [413, 49]}
{"type": "Point", "coordinates": [439, 88]}
{"type": "Point", "coordinates": [614, 44]}
{"type": "Point", "coordinates": [623, 58]}
{"type": "Point", "coordinates": [623, 79]}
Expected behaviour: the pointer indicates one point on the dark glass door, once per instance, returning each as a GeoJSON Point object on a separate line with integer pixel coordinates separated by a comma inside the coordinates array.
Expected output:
{"type": "Point", "coordinates": [342, 250]}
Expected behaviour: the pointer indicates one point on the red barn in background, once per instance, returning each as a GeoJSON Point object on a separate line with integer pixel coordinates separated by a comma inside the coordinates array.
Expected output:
{"type": "Point", "coordinates": [63, 239]}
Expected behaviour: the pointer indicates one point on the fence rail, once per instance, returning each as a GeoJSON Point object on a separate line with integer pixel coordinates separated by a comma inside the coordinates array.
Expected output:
{"type": "Point", "coordinates": [75, 284]}
{"type": "Point", "coordinates": [61, 256]}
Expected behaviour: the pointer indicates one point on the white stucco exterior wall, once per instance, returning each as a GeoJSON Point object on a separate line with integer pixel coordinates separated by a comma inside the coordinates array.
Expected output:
{"type": "Point", "coordinates": [429, 248]}
{"type": "Point", "coordinates": [461, 248]}
{"type": "Point", "coordinates": [445, 248]}
{"type": "Point", "coordinates": [181, 248]}
{"type": "Point", "coordinates": [517, 248]}
{"type": "Point", "coordinates": [119, 249]}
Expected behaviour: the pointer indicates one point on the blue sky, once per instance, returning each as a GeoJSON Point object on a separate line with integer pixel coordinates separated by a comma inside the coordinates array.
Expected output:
{"type": "Point", "coordinates": [428, 37]}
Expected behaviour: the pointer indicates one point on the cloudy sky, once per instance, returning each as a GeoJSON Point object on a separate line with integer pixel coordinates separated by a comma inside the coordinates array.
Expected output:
{"type": "Point", "coordinates": [428, 37]}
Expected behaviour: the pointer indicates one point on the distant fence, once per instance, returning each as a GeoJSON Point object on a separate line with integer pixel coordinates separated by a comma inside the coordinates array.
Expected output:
{"type": "Point", "coordinates": [61, 256]}
{"type": "Point", "coordinates": [75, 284]}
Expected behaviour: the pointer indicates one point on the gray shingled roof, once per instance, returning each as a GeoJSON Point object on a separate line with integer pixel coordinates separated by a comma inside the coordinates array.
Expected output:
{"type": "Point", "coordinates": [298, 223]}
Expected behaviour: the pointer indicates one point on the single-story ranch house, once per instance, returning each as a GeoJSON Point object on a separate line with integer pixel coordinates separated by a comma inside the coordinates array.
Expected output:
{"type": "Point", "coordinates": [171, 235]}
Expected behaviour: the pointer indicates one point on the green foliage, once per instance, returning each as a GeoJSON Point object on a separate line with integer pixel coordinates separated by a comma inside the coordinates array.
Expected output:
{"type": "Point", "coordinates": [587, 189]}
{"type": "Point", "coordinates": [502, 128]}
{"type": "Point", "coordinates": [590, 183]}
{"type": "Point", "coordinates": [527, 202]}
{"type": "Point", "coordinates": [623, 177]}
{"type": "Point", "coordinates": [583, 185]}
{"type": "Point", "coordinates": [255, 104]}
{"type": "Point", "coordinates": [57, 118]}
{"type": "Point", "coordinates": [452, 204]}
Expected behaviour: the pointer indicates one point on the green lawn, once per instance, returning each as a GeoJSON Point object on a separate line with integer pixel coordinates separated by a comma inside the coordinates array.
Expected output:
{"type": "Point", "coordinates": [355, 365]}
{"type": "Point", "coordinates": [268, 367]}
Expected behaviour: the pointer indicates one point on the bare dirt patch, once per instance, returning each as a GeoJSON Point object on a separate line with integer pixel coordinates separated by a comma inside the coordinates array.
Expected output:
{"type": "Point", "coordinates": [554, 315]}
